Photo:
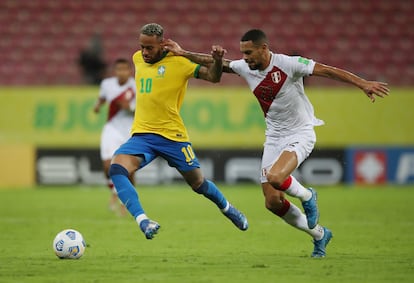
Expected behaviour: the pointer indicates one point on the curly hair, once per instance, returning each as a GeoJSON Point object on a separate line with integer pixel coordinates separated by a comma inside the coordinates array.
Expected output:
{"type": "Point", "coordinates": [153, 29]}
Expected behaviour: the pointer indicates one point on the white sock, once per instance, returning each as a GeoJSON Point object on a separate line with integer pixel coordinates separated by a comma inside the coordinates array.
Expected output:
{"type": "Point", "coordinates": [140, 218]}
{"type": "Point", "coordinates": [297, 219]}
{"type": "Point", "coordinates": [297, 190]}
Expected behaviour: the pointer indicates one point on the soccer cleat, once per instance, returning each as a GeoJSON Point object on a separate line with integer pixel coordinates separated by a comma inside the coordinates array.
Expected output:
{"type": "Point", "coordinates": [149, 228]}
{"type": "Point", "coordinates": [319, 249]}
{"type": "Point", "coordinates": [311, 209]}
{"type": "Point", "coordinates": [237, 218]}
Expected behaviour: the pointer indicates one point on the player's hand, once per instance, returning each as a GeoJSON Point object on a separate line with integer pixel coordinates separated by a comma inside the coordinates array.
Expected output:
{"type": "Point", "coordinates": [217, 52]}
{"type": "Point", "coordinates": [172, 46]}
{"type": "Point", "coordinates": [373, 89]}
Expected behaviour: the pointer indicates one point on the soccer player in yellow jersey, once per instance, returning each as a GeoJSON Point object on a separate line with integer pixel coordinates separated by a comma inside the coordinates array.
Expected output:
{"type": "Point", "coordinates": [158, 129]}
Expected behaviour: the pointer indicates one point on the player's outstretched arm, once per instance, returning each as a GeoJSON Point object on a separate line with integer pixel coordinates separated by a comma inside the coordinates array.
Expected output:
{"type": "Point", "coordinates": [198, 58]}
{"type": "Point", "coordinates": [370, 88]}
{"type": "Point", "coordinates": [98, 104]}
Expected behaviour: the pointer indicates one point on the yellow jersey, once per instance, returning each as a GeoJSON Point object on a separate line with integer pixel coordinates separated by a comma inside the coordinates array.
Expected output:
{"type": "Point", "coordinates": [161, 88]}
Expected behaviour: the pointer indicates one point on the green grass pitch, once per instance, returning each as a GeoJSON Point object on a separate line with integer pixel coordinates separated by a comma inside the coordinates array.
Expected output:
{"type": "Point", "coordinates": [373, 238]}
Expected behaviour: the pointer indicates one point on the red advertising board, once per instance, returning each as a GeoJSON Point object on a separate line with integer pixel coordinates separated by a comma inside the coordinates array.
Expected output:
{"type": "Point", "coordinates": [370, 167]}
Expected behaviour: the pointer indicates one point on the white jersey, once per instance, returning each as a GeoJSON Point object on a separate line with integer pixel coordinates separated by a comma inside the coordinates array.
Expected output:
{"type": "Point", "coordinates": [112, 92]}
{"type": "Point", "coordinates": [280, 92]}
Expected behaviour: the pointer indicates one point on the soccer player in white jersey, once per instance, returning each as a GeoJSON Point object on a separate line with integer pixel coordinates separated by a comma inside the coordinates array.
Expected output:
{"type": "Point", "coordinates": [119, 92]}
{"type": "Point", "coordinates": [277, 82]}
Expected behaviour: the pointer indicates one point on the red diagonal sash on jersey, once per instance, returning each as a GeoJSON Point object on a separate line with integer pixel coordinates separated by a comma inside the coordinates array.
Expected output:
{"type": "Point", "coordinates": [267, 89]}
{"type": "Point", "coordinates": [114, 107]}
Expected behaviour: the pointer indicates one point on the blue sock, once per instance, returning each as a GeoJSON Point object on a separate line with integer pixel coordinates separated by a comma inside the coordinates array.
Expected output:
{"type": "Point", "coordinates": [210, 191]}
{"type": "Point", "coordinates": [126, 191]}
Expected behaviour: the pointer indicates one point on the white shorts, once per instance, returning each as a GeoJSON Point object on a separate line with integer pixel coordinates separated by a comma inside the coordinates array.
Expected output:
{"type": "Point", "coordinates": [111, 140]}
{"type": "Point", "coordinates": [301, 143]}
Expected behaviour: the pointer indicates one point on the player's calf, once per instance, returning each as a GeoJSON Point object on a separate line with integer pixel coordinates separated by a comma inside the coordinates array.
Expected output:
{"type": "Point", "coordinates": [274, 200]}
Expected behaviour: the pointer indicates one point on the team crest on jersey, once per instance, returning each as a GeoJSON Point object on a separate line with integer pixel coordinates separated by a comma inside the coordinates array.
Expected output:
{"type": "Point", "coordinates": [276, 77]}
{"type": "Point", "coordinates": [161, 71]}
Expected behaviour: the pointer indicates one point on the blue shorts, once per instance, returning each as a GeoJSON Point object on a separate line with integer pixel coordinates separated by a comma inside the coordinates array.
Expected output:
{"type": "Point", "coordinates": [149, 146]}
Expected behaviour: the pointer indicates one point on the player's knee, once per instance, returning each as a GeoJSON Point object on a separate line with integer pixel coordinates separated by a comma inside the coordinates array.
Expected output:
{"type": "Point", "coordinates": [197, 183]}
{"type": "Point", "coordinates": [194, 178]}
{"type": "Point", "coordinates": [130, 162]}
{"type": "Point", "coordinates": [117, 169]}
{"type": "Point", "coordinates": [275, 179]}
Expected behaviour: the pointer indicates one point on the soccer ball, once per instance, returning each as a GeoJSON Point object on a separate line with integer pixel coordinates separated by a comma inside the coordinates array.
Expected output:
{"type": "Point", "coordinates": [69, 244]}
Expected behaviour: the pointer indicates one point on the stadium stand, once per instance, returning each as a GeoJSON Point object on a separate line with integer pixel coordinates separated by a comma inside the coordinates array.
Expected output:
{"type": "Point", "coordinates": [41, 39]}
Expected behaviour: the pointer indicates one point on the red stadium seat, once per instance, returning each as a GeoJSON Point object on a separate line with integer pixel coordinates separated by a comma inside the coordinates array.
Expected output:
{"type": "Point", "coordinates": [366, 36]}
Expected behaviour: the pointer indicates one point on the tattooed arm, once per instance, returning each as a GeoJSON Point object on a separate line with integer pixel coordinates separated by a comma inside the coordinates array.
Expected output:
{"type": "Point", "coordinates": [198, 58]}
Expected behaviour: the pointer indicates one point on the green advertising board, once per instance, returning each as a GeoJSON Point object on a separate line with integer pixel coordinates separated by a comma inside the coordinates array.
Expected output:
{"type": "Point", "coordinates": [216, 117]}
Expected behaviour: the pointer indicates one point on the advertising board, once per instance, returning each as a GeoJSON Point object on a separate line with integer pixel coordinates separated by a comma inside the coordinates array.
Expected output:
{"type": "Point", "coordinates": [392, 165]}
{"type": "Point", "coordinates": [83, 166]}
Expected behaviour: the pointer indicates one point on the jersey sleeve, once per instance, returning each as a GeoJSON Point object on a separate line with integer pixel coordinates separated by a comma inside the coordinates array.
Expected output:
{"type": "Point", "coordinates": [189, 68]}
{"type": "Point", "coordinates": [237, 66]}
{"type": "Point", "coordinates": [297, 66]}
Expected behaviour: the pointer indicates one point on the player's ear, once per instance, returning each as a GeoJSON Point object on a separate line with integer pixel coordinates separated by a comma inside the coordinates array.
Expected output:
{"type": "Point", "coordinates": [163, 41]}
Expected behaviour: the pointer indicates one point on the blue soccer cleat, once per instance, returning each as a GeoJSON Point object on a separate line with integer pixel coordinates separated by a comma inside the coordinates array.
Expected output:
{"type": "Point", "coordinates": [311, 209]}
{"type": "Point", "coordinates": [149, 228]}
{"type": "Point", "coordinates": [237, 218]}
{"type": "Point", "coordinates": [319, 249]}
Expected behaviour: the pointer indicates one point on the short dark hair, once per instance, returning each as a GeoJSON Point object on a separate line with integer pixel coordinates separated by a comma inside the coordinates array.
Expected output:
{"type": "Point", "coordinates": [121, 61]}
{"type": "Point", "coordinates": [153, 29]}
{"type": "Point", "coordinates": [257, 36]}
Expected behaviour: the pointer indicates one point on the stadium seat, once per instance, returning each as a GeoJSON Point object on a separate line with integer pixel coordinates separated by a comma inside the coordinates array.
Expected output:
{"type": "Point", "coordinates": [345, 34]}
